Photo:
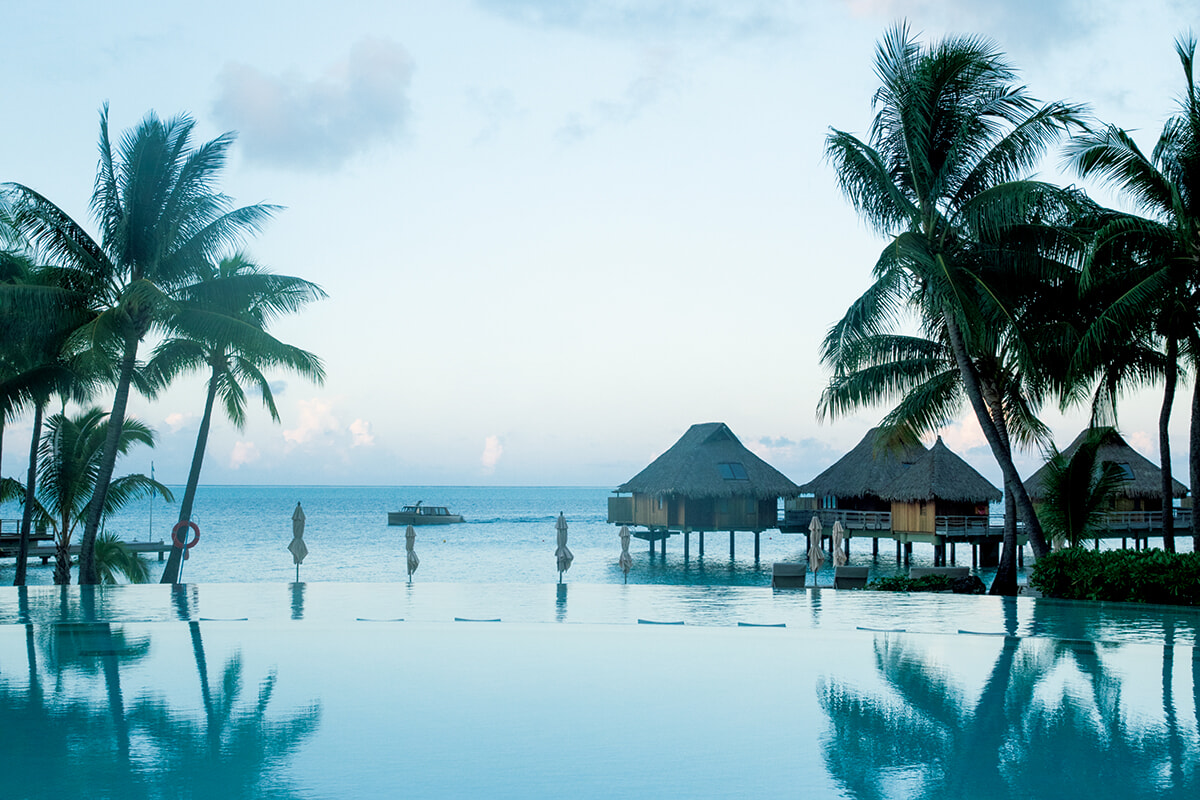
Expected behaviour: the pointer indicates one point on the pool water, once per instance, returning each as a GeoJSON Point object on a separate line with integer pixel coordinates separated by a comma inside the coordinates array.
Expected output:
{"type": "Point", "coordinates": [358, 690]}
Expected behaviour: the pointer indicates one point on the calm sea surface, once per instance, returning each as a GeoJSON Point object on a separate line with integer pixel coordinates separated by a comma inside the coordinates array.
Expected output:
{"type": "Point", "coordinates": [508, 537]}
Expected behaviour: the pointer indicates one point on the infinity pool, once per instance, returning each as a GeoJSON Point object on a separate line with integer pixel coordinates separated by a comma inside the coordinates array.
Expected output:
{"type": "Point", "coordinates": [329, 691]}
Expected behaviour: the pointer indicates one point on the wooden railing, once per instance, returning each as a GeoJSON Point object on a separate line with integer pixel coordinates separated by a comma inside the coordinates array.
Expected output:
{"type": "Point", "coordinates": [961, 525]}
{"type": "Point", "coordinates": [851, 520]}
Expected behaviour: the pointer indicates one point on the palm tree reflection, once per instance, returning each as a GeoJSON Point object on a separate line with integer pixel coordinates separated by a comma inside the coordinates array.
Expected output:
{"type": "Point", "coordinates": [1048, 722]}
{"type": "Point", "coordinates": [79, 737]}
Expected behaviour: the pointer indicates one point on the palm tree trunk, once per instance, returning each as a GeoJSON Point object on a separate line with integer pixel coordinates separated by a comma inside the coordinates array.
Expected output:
{"type": "Point", "coordinates": [1003, 456]}
{"type": "Point", "coordinates": [1005, 582]}
{"type": "Point", "coordinates": [1194, 453]}
{"type": "Point", "coordinates": [30, 494]}
{"type": "Point", "coordinates": [175, 559]}
{"type": "Point", "coordinates": [116, 421]}
{"type": "Point", "coordinates": [1164, 444]}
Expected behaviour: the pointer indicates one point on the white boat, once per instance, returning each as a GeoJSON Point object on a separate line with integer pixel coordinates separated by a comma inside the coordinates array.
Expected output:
{"type": "Point", "coordinates": [423, 515]}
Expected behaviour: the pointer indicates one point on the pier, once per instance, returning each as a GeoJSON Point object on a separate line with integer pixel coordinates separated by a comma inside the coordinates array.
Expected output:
{"type": "Point", "coordinates": [41, 543]}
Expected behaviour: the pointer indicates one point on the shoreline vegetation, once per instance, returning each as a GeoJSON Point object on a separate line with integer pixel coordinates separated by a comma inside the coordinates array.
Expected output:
{"type": "Point", "coordinates": [1023, 294]}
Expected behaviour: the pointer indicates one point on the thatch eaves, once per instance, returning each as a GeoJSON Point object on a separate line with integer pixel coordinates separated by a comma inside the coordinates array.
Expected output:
{"type": "Point", "coordinates": [941, 475]}
{"type": "Point", "coordinates": [698, 466]}
{"type": "Point", "coordinates": [865, 470]}
{"type": "Point", "coordinates": [1147, 476]}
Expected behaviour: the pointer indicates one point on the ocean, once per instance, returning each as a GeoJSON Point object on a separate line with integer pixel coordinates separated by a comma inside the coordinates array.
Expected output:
{"type": "Point", "coordinates": [508, 536]}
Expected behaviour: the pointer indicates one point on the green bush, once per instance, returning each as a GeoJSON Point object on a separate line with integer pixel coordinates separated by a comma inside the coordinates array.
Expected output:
{"type": "Point", "coordinates": [1131, 576]}
{"type": "Point", "coordinates": [902, 583]}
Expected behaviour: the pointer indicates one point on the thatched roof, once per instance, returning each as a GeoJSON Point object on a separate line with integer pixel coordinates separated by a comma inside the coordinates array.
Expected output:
{"type": "Point", "coordinates": [941, 475]}
{"type": "Point", "coordinates": [865, 470]}
{"type": "Point", "coordinates": [709, 461]}
{"type": "Point", "coordinates": [1147, 477]}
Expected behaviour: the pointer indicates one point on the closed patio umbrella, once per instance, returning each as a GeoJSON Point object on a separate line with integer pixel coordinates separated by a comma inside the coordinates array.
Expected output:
{"type": "Point", "coordinates": [562, 554]}
{"type": "Point", "coordinates": [410, 536]}
{"type": "Point", "coordinates": [626, 560]}
{"type": "Point", "coordinates": [836, 549]}
{"type": "Point", "coordinates": [297, 547]}
{"type": "Point", "coordinates": [816, 556]}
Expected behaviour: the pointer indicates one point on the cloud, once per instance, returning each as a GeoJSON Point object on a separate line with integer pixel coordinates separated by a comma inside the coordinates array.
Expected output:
{"type": "Point", "coordinates": [243, 453]}
{"type": "Point", "coordinates": [360, 429]}
{"type": "Point", "coordinates": [963, 436]}
{"type": "Point", "coordinates": [650, 17]}
{"type": "Point", "coordinates": [497, 107]}
{"type": "Point", "coordinates": [177, 421]}
{"type": "Point", "coordinates": [316, 419]}
{"type": "Point", "coordinates": [655, 78]}
{"type": "Point", "coordinates": [777, 442]}
{"type": "Point", "coordinates": [289, 121]}
{"type": "Point", "coordinates": [492, 450]}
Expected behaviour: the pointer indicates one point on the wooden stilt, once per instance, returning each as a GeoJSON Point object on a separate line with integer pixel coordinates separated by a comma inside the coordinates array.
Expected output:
{"type": "Point", "coordinates": [702, 544]}
{"type": "Point", "coordinates": [952, 552]}
{"type": "Point", "coordinates": [846, 545]}
{"type": "Point", "coordinates": [875, 546]}
{"type": "Point", "coordinates": [731, 546]}
{"type": "Point", "coordinates": [907, 553]}
{"type": "Point", "coordinates": [974, 555]}
{"type": "Point", "coordinates": [756, 547]}
{"type": "Point", "coordinates": [687, 541]}
{"type": "Point", "coordinates": [1020, 555]}
{"type": "Point", "coordinates": [899, 549]}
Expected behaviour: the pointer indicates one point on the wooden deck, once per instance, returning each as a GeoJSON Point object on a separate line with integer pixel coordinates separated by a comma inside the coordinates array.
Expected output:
{"type": "Point", "coordinates": [41, 544]}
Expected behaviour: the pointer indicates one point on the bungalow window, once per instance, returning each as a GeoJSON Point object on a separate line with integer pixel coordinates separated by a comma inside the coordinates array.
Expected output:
{"type": "Point", "coordinates": [733, 471]}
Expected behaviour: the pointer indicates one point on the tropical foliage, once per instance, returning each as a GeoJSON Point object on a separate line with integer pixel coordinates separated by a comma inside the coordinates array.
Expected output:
{"type": "Point", "coordinates": [162, 222]}
{"type": "Point", "coordinates": [1079, 489]}
{"type": "Point", "coordinates": [941, 176]}
{"type": "Point", "coordinates": [69, 459]}
{"type": "Point", "coordinates": [220, 326]}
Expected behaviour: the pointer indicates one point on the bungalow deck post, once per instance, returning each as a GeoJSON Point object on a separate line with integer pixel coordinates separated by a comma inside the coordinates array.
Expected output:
{"type": "Point", "coordinates": [875, 546]}
{"type": "Point", "coordinates": [731, 557]}
{"type": "Point", "coordinates": [687, 541]}
{"type": "Point", "coordinates": [702, 544]}
{"type": "Point", "coordinates": [756, 547]}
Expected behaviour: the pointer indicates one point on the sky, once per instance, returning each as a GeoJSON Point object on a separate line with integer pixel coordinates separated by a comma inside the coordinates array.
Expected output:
{"type": "Point", "coordinates": [554, 234]}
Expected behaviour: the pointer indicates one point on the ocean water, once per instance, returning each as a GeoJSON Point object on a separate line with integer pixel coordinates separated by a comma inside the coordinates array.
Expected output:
{"type": "Point", "coordinates": [508, 537]}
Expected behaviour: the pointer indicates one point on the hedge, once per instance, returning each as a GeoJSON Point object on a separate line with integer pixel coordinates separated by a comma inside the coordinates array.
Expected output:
{"type": "Point", "coordinates": [1131, 576]}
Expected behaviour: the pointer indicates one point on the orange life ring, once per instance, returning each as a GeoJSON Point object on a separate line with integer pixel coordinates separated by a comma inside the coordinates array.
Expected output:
{"type": "Point", "coordinates": [185, 545]}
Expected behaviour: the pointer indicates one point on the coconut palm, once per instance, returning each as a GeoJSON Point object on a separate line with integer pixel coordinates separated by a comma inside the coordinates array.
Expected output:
{"type": "Point", "coordinates": [161, 222]}
{"type": "Point", "coordinates": [221, 327]}
{"type": "Point", "coordinates": [950, 137]}
{"type": "Point", "coordinates": [1164, 241]}
{"type": "Point", "coordinates": [69, 457]}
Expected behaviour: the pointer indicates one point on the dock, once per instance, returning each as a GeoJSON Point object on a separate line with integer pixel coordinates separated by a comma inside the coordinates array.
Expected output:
{"type": "Point", "coordinates": [41, 543]}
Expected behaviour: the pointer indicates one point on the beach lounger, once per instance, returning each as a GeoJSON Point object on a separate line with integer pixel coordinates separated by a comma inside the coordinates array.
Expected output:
{"type": "Point", "coordinates": [850, 577]}
{"type": "Point", "coordinates": [786, 575]}
{"type": "Point", "coordinates": [949, 572]}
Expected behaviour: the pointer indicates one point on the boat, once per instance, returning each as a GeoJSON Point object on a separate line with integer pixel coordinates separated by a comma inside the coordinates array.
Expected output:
{"type": "Point", "coordinates": [423, 515]}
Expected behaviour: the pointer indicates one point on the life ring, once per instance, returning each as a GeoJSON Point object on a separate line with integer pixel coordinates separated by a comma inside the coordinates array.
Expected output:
{"type": "Point", "coordinates": [185, 545]}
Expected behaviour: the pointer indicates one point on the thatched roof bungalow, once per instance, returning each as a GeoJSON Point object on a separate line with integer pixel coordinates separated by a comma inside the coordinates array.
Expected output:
{"type": "Point", "coordinates": [1143, 486]}
{"type": "Point", "coordinates": [855, 480]}
{"type": "Point", "coordinates": [938, 484]}
{"type": "Point", "coordinates": [706, 481]}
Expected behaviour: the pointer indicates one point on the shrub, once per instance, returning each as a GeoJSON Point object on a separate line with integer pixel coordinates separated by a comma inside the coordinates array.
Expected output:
{"type": "Point", "coordinates": [902, 583]}
{"type": "Point", "coordinates": [1131, 576]}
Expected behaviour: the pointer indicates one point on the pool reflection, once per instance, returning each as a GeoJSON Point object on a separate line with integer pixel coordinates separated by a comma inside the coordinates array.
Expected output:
{"type": "Point", "coordinates": [1052, 719]}
{"type": "Point", "coordinates": [74, 729]}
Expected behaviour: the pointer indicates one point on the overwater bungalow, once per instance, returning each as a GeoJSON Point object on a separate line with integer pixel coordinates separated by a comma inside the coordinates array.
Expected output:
{"type": "Point", "coordinates": [706, 482]}
{"type": "Point", "coordinates": [939, 496]}
{"type": "Point", "coordinates": [1137, 508]}
{"type": "Point", "coordinates": [853, 484]}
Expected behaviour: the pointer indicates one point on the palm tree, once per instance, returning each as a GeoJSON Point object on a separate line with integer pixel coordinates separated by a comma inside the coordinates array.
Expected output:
{"type": "Point", "coordinates": [69, 458]}
{"type": "Point", "coordinates": [161, 221]}
{"type": "Point", "coordinates": [1165, 243]}
{"type": "Point", "coordinates": [38, 319]}
{"type": "Point", "coordinates": [950, 137]}
{"type": "Point", "coordinates": [1079, 489]}
{"type": "Point", "coordinates": [221, 326]}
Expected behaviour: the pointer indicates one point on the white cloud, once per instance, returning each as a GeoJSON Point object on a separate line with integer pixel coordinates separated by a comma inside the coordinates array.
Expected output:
{"type": "Point", "coordinates": [360, 429]}
{"type": "Point", "coordinates": [963, 436]}
{"type": "Point", "coordinates": [1144, 443]}
{"type": "Point", "coordinates": [177, 421]}
{"type": "Point", "coordinates": [287, 120]}
{"type": "Point", "coordinates": [492, 450]}
{"type": "Point", "coordinates": [316, 419]}
{"type": "Point", "coordinates": [243, 453]}
{"type": "Point", "coordinates": [655, 77]}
